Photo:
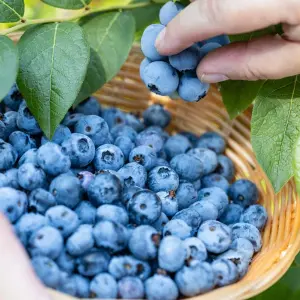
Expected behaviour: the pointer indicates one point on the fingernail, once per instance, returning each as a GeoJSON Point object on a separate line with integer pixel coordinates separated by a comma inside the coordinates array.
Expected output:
{"type": "Point", "coordinates": [160, 38]}
{"type": "Point", "coordinates": [213, 78]}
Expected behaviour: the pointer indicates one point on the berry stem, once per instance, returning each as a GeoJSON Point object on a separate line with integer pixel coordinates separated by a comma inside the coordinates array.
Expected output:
{"type": "Point", "coordinates": [84, 13]}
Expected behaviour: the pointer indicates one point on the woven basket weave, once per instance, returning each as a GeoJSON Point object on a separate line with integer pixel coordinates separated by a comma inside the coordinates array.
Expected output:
{"type": "Point", "coordinates": [281, 237]}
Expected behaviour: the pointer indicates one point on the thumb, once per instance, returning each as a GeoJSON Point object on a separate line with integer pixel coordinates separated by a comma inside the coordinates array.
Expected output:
{"type": "Point", "coordinates": [270, 57]}
{"type": "Point", "coordinates": [18, 280]}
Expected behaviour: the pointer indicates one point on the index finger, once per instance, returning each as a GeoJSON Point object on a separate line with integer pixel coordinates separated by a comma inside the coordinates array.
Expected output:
{"type": "Point", "coordinates": [203, 19]}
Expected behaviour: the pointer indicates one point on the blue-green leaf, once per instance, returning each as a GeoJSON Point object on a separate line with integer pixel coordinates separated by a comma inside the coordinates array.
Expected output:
{"type": "Point", "coordinates": [296, 164]}
{"type": "Point", "coordinates": [68, 4]}
{"type": "Point", "coordinates": [11, 10]}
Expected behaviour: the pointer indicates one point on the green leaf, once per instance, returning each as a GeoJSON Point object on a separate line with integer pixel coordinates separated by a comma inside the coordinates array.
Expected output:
{"type": "Point", "coordinates": [238, 95]}
{"type": "Point", "coordinates": [296, 164]}
{"type": "Point", "coordinates": [275, 128]}
{"type": "Point", "coordinates": [11, 10]}
{"type": "Point", "coordinates": [53, 65]}
{"type": "Point", "coordinates": [9, 62]}
{"type": "Point", "coordinates": [68, 4]}
{"type": "Point", "coordinates": [288, 287]}
{"type": "Point", "coordinates": [110, 36]}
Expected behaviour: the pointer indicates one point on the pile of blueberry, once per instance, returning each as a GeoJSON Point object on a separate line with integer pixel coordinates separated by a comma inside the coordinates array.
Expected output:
{"type": "Point", "coordinates": [114, 206]}
{"type": "Point", "coordinates": [165, 75]}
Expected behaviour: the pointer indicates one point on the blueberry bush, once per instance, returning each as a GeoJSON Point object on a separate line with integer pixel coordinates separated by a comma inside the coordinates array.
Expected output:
{"type": "Point", "coordinates": [60, 61]}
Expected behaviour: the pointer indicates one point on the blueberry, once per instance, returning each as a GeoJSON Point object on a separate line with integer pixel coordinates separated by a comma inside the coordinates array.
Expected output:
{"type": "Point", "coordinates": [110, 235]}
{"type": "Point", "coordinates": [40, 200]}
{"type": "Point", "coordinates": [145, 62]}
{"type": "Point", "coordinates": [232, 214]}
{"type": "Point", "coordinates": [82, 286]}
{"type": "Point", "coordinates": [62, 218]}
{"type": "Point", "coordinates": [31, 177]}
{"type": "Point", "coordinates": [144, 155]}
{"type": "Point", "coordinates": [169, 11]}
{"type": "Point", "coordinates": [160, 223]}
{"type": "Point", "coordinates": [187, 167]}
{"type": "Point", "coordinates": [52, 160]}
{"type": "Point", "coordinates": [66, 189]}
{"type": "Point", "coordinates": [13, 99]}
{"type": "Point", "coordinates": [112, 213]}
{"type": "Point", "coordinates": [207, 157]}
{"type": "Point", "coordinates": [150, 138]}
{"type": "Point", "coordinates": [177, 144]}
{"type": "Point", "coordinates": [103, 286]}
{"type": "Point", "coordinates": [80, 149]}
{"type": "Point", "coordinates": [66, 262]}
{"type": "Point", "coordinates": [95, 128]}
{"type": "Point", "coordinates": [85, 178]}
{"type": "Point", "coordinates": [131, 288]}
{"type": "Point", "coordinates": [8, 156]}
{"type": "Point", "coordinates": [158, 130]}
{"type": "Point", "coordinates": [195, 279]}
{"type": "Point", "coordinates": [244, 246]}
{"type": "Point", "coordinates": [8, 124]}
{"type": "Point", "coordinates": [239, 259]}
{"type": "Point", "coordinates": [133, 120]}
{"type": "Point", "coordinates": [133, 174]}
{"type": "Point", "coordinates": [113, 116]}
{"type": "Point", "coordinates": [112, 172]}
{"type": "Point", "coordinates": [216, 196]}
{"type": "Point", "coordinates": [123, 130]}
{"type": "Point", "coordinates": [125, 144]}
{"type": "Point", "coordinates": [148, 42]}
{"type": "Point", "coordinates": [192, 137]}
{"type": "Point", "coordinates": [215, 180]}
{"type": "Point", "coordinates": [225, 272]}
{"type": "Point", "coordinates": [163, 179]}
{"type": "Point", "coordinates": [206, 209]}
{"type": "Point", "coordinates": [186, 195]}
{"type": "Point", "coordinates": [122, 266]}
{"type": "Point", "coordinates": [186, 60]}
{"type": "Point", "coordinates": [61, 134]}
{"type": "Point", "coordinates": [21, 142]}
{"type": "Point", "coordinates": [178, 228]}
{"type": "Point", "coordinates": [161, 287]}
{"type": "Point", "coordinates": [47, 270]}
{"type": "Point", "coordinates": [161, 78]}
{"type": "Point", "coordinates": [171, 254]}
{"type": "Point", "coordinates": [86, 212]}
{"type": "Point", "coordinates": [72, 119]}
{"type": "Point", "coordinates": [109, 156]}
{"type": "Point", "coordinates": [27, 224]}
{"type": "Point", "coordinates": [215, 236]}
{"type": "Point", "coordinates": [156, 115]}
{"type": "Point", "coordinates": [195, 249]}
{"type": "Point", "coordinates": [30, 156]}
{"type": "Point", "coordinates": [46, 241]}
{"type": "Point", "coordinates": [222, 39]}
{"type": "Point", "coordinates": [3, 181]}
{"type": "Point", "coordinates": [143, 242]}
{"type": "Point", "coordinates": [191, 89]}
{"type": "Point", "coordinates": [161, 162]}
{"type": "Point", "coordinates": [11, 177]}
{"type": "Point", "coordinates": [191, 217]}
{"type": "Point", "coordinates": [128, 192]}
{"type": "Point", "coordinates": [247, 231]}
{"type": "Point", "coordinates": [212, 141]}
{"type": "Point", "coordinates": [144, 207]}
{"type": "Point", "coordinates": [93, 263]}
{"type": "Point", "coordinates": [105, 189]}
{"type": "Point", "coordinates": [225, 167]}
{"type": "Point", "coordinates": [169, 203]}
{"type": "Point", "coordinates": [243, 192]}
{"type": "Point", "coordinates": [67, 284]}
{"type": "Point", "coordinates": [207, 48]}
{"type": "Point", "coordinates": [255, 215]}
{"type": "Point", "coordinates": [81, 241]}
{"type": "Point", "coordinates": [90, 106]}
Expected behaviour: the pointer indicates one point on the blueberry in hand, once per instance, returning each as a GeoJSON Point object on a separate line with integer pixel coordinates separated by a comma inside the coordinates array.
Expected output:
{"type": "Point", "coordinates": [145, 62]}
{"type": "Point", "coordinates": [161, 78]}
{"type": "Point", "coordinates": [144, 207]}
{"type": "Point", "coordinates": [169, 11]}
{"type": "Point", "coordinates": [148, 42]}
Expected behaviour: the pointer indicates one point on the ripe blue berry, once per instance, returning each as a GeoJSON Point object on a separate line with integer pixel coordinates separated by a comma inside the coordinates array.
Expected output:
{"type": "Point", "coordinates": [90, 106]}
{"type": "Point", "coordinates": [177, 144]}
{"type": "Point", "coordinates": [206, 209]}
{"type": "Point", "coordinates": [125, 144]}
{"type": "Point", "coordinates": [133, 174]}
{"type": "Point", "coordinates": [30, 156]}
{"type": "Point", "coordinates": [8, 156]}
{"type": "Point", "coordinates": [195, 249]}
{"type": "Point", "coordinates": [225, 272]}
{"type": "Point", "coordinates": [61, 134]}
{"type": "Point", "coordinates": [21, 142]}
{"type": "Point", "coordinates": [178, 228]}
{"type": "Point", "coordinates": [109, 156]}
{"type": "Point", "coordinates": [225, 167]}
{"type": "Point", "coordinates": [231, 214]}
{"type": "Point", "coordinates": [40, 200]}
{"type": "Point", "coordinates": [112, 213]}
{"type": "Point", "coordinates": [31, 177]}
{"type": "Point", "coordinates": [163, 179]}
{"type": "Point", "coordinates": [186, 195]}
{"type": "Point", "coordinates": [86, 212]}
{"type": "Point", "coordinates": [103, 286]}
{"type": "Point", "coordinates": [131, 288]}
{"type": "Point", "coordinates": [169, 203]}
{"type": "Point", "coordinates": [213, 141]}
{"type": "Point", "coordinates": [255, 215]}
{"type": "Point", "coordinates": [144, 155]}
{"type": "Point", "coordinates": [191, 217]}
{"type": "Point", "coordinates": [169, 11]}
{"type": "Point", "coordinates": [13, 99]}
{"type": "Point", "coordinates": [156, 115]}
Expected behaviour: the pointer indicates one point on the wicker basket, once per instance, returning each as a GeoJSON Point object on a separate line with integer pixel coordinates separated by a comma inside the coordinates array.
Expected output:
{"type": "Point", "coordinates": [281, 237]}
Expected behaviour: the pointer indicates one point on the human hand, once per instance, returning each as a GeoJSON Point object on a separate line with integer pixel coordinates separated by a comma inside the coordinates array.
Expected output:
{"type": "Point", "coordinates": [269, 57]}
{"type": "Point", "coordinates": [17, 278]}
